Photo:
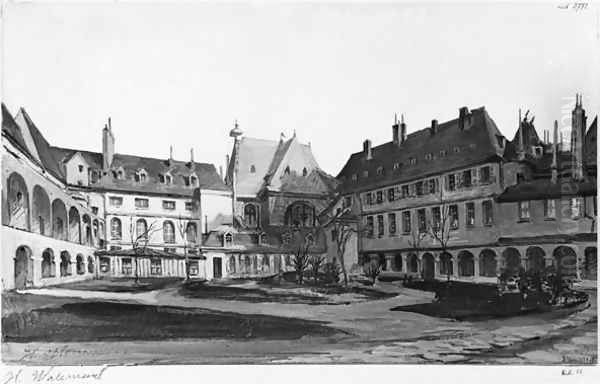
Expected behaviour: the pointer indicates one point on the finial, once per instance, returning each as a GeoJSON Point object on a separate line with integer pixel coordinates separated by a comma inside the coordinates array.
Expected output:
{"type": "Point", "coordinates": [294, 133]}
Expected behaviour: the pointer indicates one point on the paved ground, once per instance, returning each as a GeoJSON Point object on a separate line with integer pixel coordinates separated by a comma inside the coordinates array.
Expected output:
{"type": "Point", "coordinates": [375, 335]}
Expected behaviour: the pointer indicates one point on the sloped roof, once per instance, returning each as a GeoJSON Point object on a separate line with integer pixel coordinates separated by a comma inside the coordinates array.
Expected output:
{"type": "Point", "coordinates": [590, 144]}
{"type": "Point", "coordinates": [252, 152]}
{"type": "Point", "coordinates": [12, 130]}
{"type": "Point", "coordinates": [208, 178]}
{"type": "Point", "coordinates": [542, 189]}
{"type": "Point", "coordinates": [480, 141]}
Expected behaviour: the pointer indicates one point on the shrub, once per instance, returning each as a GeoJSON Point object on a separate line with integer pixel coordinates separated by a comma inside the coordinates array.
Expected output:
{"type": "Point", "coordinates": [332, 272]}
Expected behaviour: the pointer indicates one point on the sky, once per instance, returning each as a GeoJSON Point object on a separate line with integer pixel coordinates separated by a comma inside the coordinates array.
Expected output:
{"type": "Point", "coordinates": [180, 74]}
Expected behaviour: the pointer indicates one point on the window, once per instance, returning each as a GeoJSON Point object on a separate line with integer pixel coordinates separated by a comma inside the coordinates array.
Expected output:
{"type": "Point", "coordinates": [252, 169]}
{"type": "Point", "coordinates": [369, 198]}
{"type": "Point", "coordinates": [380, 229]}
{"type": "Point", "coordinates": [488, 213]}
{"type": "Point", "coordinates": [141, 229]}
{"type": "Point", "coordinates": [347, 201]}
{"type": "Point", "coordinates": [453, 216]}
{"type": "Point", "coordinates": [115, 201]}
{"type": "Point", "coordinates": [396, 166]}
{"type": "Point", "coordinates": [227, 240]}
{"type": "Point", "coordinates": [392, 223]}
{"type": "Point", "coordinates": [115, 228]}
{"type": "Point", "coordinates": [422, 220]}
{"type": "Point", "coordinates": [95, 210]}
{"type": "Point", "coordinates": [193, 181]}
{"type": "Point", "coordinates": [193, 268]}
{"type": "Point", "coordinates": [466, 178]}
{"type": "Point", "coordinates": [576, 207]}
{"type": "Point", "coordinates": [250, 215]}
{"type": "Point", "coordinates": [370, 226]}
{"type": "Point", "coordinates": [520, 178]}
{"type": "Point", "coordinates": [168, 232]}
{"type": "Point", "coordinates": [432, 186]}
{"type": "Point", "coordinates": [470, 216]}
{"type": "Point", "coordinates": [379, 197]}
{"type": "Point", "coordinates": [443, 153]}
{"type": "Point", "coordinates": [140, 176]}
{"type": "Point", "coordinates": [191, 232]}
{"type": "Point", "coordinates": [300, 214]}
{"type": "Point", "coordinates": [161, 178]}
{"type": "Point", "coordinates": [189, 205]}
{"type": "Point", "coordinates": [406, 222]}
{"type": "Point", "coordinates": [155, 267]}
{"type": "Point", "coordinates": [141, 203]}
{"type": "Point", "coordinates": [379, 171]}
{"type": "Point", "coordinates": [412, 161]}
{"type": "Point", "coordinates": [333, 235]}
{"type": "Point", "coordinates": [80, 168]}
{"type": "Point", "coordinates": [451, 182]}
{"type": "Point", "coordinates": [168, 179]}
{"type": "Point", "coordinates": [456, 149]}
{"type": "Point", "coordinates": [354, 177]}
{"type": "Point", "coordinates": [429, 156]}
{"type": "Point", "coordinates": [168, 204]}
{"type": "Point", "coordinates": [405, 191]}
{"type": "Point", "coordinates": [436, 218]}
{"type": "Point", "coordinates": [419, 188]}
{"type": "Point", "coordinates": [126, 266]}
{"type": "Point", "coordinates": [104, 264]}
{"type": "Point", "coordinates": [524, 211]}
{"type": "Point", "coordinates": [550, 209]}
{"type": "Point", "coordinates": [484, 174]}
{"type": "Point", "coordinates": [390, 193]}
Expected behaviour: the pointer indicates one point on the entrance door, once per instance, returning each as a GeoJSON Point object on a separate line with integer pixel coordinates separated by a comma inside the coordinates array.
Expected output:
{"type": "Point", "coordinates": [21, 267]}
{"type": "Point", "coordinates": [217, 268]}
{"type": "Point", "coordinates": [428, 267]}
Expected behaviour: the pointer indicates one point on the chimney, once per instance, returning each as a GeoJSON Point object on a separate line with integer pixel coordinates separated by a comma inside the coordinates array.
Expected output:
{"type": "Point", "coordinates": [191, 155]}
{"type": "Point", "coordinates": [402, 129]}
{"type": "Point", "coordinates": [226, 166]}
{"type": "Point", "coordinates": [221, 171]}
{"type": "Point", "coordinates": [108, 146]}
{"type": "Point", "coordinates": [395, 129]}
{"type": "Point", "coordinates": [463, 112]}
{"type": "Point", "coordinates": [554, 165]}
{"type": "Point", "coordinates": [434, 127]}
{"type": "Point", "coordinates": [367, 149]}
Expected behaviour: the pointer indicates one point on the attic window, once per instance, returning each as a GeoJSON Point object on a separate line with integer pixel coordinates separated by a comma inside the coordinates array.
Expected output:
{"type": "Point", "coordinates": [140, 176]}
{"type": "Point", "coordinates": [304, 171]}
{"type": "Point", "coordinates": [429, 156]}
{"type": "Point", "coordinates": [443, 153]}
{"type": "Point", "coordinates": [396, 166]}
{"type": "Point", "coordinates": [379, 171]}
{"type": "Point", "coordinates": [168, 179]}
{"type": "Point", "coordinates": [227, 240]}
{"type": "Point", "coordinates": [456, 149]}
{"type": "Point", "coordinates": [80, 168]}
{"type": "Point", "coordinates": [193, 180]}
{"type": "Point", "coordinates": [252, 169]}
{"type": "Point", "coordinates": [287, 170]}
{"type": "Point", "coordinates": [354, 177]}
{"type": "Point", "coordinates": [365, 173]}
{"type": "Point", "coordinates": [165, 178]}
{"type": "Point", "coordinates": [412, 161]}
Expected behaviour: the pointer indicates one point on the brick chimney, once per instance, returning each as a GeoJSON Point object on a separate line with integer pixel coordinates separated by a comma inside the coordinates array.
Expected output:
{"type": "Point", "coordinates": [395, 129]}
{"type": "Point", "coordinates": [368, 151]}
{"type": "Point", "coordinates": [402, 129]}
{"type": "Point", "coordinates": [108, 146]}
{"type": "Point", "coordinates": [463, 113]}
{"type": "Point", "coordinates": [434, 127]}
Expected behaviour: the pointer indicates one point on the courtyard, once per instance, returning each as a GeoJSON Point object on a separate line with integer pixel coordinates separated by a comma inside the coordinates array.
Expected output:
{"type": "Point", "coordinates": [244, 321]}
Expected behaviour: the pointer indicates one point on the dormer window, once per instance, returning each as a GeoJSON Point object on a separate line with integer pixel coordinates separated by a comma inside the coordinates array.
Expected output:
{"type": "Point", "coordinates": [412, 161]}
{"type": "Point", "coordinates": [252, 169]}
{"type": "Point", "coordinates": [118, 173]}
{"type": "Point", "coordinates": [443, 153]}
{"type": "Point", "coordinates": [168, 179]}
{"type": "Point", "coordinates": [304, 171]}
{"type": "Point", "coordinates": [354, 177]}
{"type": "Point", "coordinates": [429, 156]}
{"type": "Point", "coordinates": [165, 178]}
{"type": "Point", "coordinates": [379, 171]}
{"type": "Point", "coordinates": [193, 180]}
{"type": "Point", "coordinates": [287, 170]}
{"type": "Point", "coordinates": [140, 176]}
{"type": "Point", "coordinates": [456, 149]}
{"type": "Point", "coordinates": [227, 239]}
{"type": "Point", "coordinates": [365, 174]}
{"type": "Point", "coordinates": [396, 166]}
{"type": "Point", "coordinates": [80, 168]}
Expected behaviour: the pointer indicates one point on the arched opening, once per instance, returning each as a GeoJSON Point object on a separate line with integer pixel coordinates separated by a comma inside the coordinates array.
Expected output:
{"type": "Point", "coordinates": [428, 266]}
{"type": "Point", "coordinates": [18, 202]}
{"type": "Point", "coordinates": [487, 263]}
{"type": "Point", "coordinates": [23, 267]}
{"type": "Point", "coordinates": [381, 261]}
{"type": "Point", "coordinates": [590, 264]}
{"type": "Point", "coordinates": [413, 263]}
{"type": "Point", "coordinates": [65, 264]}
{"type": "Point", "coordinates": [398, 261]}
{"type": "Point", "coordinates": [512, 261]}
{"type": "Point", "coordinates": [250, 215]}
{"type": "Point", "coordinates": [80, 264]}
{"type": "Point", "coordinates": [265, 263]}
{"type": "Point", "coordinates": [90, 264]}
{"type": "Point", "coordinates": [48, 263]}
{"type": "Point", "coordinates": [87, 230]}
{"type": "Point", "coordinates": [40, 211]}
{"type": "Point", "coordinates": [565, 261]}
{"type": "Point", "coordinates": [191, 232]}
{"type": "Point", "coordinates": [116, 231]}
{"type": "Point", "coordinates": [168, 232]}
{"type": "Point", "coordinates": [466, 264]}
{"type": "Point", "coordinates": [95, 229]}
{"type": "Point", "coordinates": [300, 214]}
{"type": "Point", "coordinates": [535, 259]}
{"type": "Point", "coordinates": [74, 226]}
{"type": "Point", "coordinates": [254, 263]}
{"type": "Point", "coordinates": [141, 229]}
{"type": "Point", "coordinates": [231, 265]}
{"type": "Point", "coordinates": [59, 220]}
{"type": "Point", "coordinates": [446, 267]}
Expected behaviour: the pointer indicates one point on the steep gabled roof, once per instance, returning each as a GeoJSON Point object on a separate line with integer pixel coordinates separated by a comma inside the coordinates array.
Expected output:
{"type": "Point", "coordinates": [254, 157]}
{"type": "Point", "coordinates": [590, 144]}
{"type": "Point", "coordinates": [480, 141]}
{"type": "Point", "coordinates": [12, 130]}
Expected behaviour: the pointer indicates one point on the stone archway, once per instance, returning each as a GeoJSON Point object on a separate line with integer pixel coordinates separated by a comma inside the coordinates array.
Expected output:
{"type": "Point", "coordinates": [90, 264]}
{"type": "Point", "coordinates": [40, 208]}
{"type": "Point", "coordinates": [412, 263]}
{"type": "Point", "coordinates": [466, 264]}
{"type": "Point", "coordinates": [65, 264]}
{"type": "Point", "coordinates": [487, 263]}
{"type": "Point", "coordinates": [428, 266]}
{"type": "Point", "coordinates": [74, 226]}
{"type": "Point", "coordinates": [18, 202]}
{"type": "Point", "coordinates": [80, 264]}
{"type": "Point", "coordinates": [23, 267]}
{"type": "Point", "coordinates": [398, 262]}
{"type": "Point", "coordinates": [565, 261]}
{"type": "Point", "coordinates": [590, 264]}
{"type": "Point", "coordinates": [446, 265]}
{"type": "Point", "coordinates": [59, 220]}
{"type": "Point", "coordinates": [535, 259]}
{"type": "Point", "coordinates": [512, 261]}
{"type": "Point", "coordinates": [48, 263]}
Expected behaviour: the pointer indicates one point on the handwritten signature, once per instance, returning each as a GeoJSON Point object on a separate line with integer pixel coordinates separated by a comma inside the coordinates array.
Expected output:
{"type": "Point", "coordinates": [53, 375]}
{"type": "Point", "coordinates": [577, 7]}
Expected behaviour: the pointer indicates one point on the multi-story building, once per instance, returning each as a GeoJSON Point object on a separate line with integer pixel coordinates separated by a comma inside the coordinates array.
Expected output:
{"type": "Point", "coordinates": [49, 232]}
{"type": "Point", "coordinates": [278, 192]}
{"type": "Point", "coordinates": [454, 200]}
{"type": "Point", "coordinates": [162, 206]}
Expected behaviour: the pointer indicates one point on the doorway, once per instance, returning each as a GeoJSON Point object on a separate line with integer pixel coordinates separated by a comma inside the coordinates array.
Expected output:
{"type": "Point", "coordinates": [217, 268]}
{"type": "Point", "coordinates": [23, 267]}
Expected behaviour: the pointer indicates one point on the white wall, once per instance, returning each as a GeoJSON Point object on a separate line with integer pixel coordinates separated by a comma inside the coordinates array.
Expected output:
{"type": "Point", "coordinates": [213, 205]}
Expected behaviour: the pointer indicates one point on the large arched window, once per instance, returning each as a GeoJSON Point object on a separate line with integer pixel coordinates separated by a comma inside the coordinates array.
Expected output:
{"type": "Point", "coordinates": [48, 264]}
{"type": "Point", "coordinates": [141, 229]}
{"type": "Point", "coordinates": [18, 202]}
{"type": "Point", "coordinates": [191, 232]}
{"type": "Point", "coordinates": [250, 215]}
{"type": "Point", "coordinates": [59, 217]}
{"type": "Point", "coordinates": [300, 214]}
{"type": "Point", "coordinates": [168, 232]}
{"type": "Point", "coordinates": [40, 211]}
{"type": "Point", "coordinates": [74, 226]}
{"type": "Point", "coordinates": [115, 229]}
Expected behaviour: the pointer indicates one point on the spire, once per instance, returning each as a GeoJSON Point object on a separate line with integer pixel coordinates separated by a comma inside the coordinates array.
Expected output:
{"type": "Point", "coordinates": [555, 154]}
{"type": "Point", "coordinates": [521, 143]}
{"type": "Point", "coordinates": [395, 118]}
{"type": "Point", "coordinates": [192, 155]}
{"type": "Point", "coordinates": [402, 118]}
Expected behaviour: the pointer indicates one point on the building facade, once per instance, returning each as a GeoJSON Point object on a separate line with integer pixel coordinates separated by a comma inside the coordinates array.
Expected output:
{"type": "Point", "coordinates": [454, 200]}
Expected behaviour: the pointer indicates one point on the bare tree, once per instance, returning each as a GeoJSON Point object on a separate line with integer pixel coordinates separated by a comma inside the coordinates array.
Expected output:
{"type": "Point", "coordinates": [315, 262]}
{"type": "Point", "coordinates": [372, 269]}
{"type": "Point", "coordinates": [139, 241]}
{"type": "Point", "coordinates": [302, 256]}
{"type": "Point", "coordinates": [183, 226]}
{"type": "Point", "coordinates": [440, 226]}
